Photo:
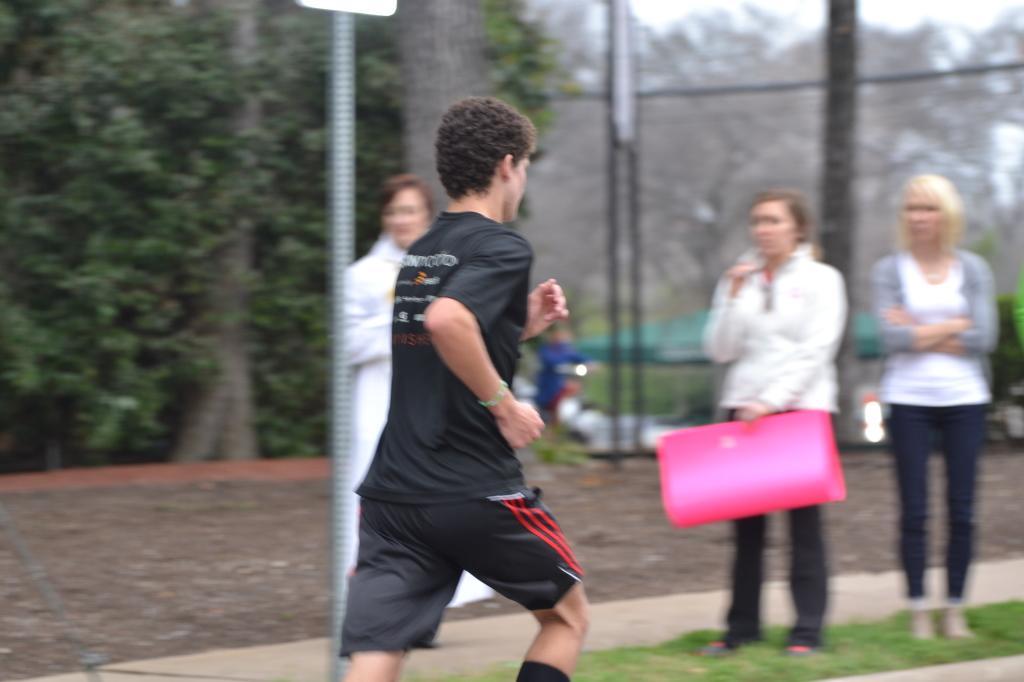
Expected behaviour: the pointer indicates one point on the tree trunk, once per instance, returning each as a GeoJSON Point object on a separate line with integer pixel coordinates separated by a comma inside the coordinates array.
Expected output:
{"type": "Point", "coordinates": [443, 50]}
{"type": "Point", "coordinates": [219, 418]}
{"type": "Point", "coordinates": [837, 215]}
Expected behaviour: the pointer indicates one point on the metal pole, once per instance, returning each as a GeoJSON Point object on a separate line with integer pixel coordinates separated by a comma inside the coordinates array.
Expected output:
{"type": "Point", "coordinates": [89, 660]}
{"type": "Point", "coordinates": [629, 135]}
{"type": "Point", "coordinates": [613, 240]}
{"type": "Point", "coordinates": [622, 107]}
{"type": "Point", "coordinates": [342, 178]}
{"type": "Point", "coordinates": [838, 206]}
{"type": "Point", "coordinates": [636, 289]}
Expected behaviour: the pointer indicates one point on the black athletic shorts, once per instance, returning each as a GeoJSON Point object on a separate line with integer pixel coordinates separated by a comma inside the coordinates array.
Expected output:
{"type": "Point", "coordinates": [411, 557]}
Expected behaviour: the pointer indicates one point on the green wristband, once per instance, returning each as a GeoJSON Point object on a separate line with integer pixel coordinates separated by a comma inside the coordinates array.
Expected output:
{"type": "Point", "coordinates": [502, 392]}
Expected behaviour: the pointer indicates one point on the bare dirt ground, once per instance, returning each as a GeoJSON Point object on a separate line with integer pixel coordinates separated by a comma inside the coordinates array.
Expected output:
{"type": "Point", "coordinates": [173, 563]}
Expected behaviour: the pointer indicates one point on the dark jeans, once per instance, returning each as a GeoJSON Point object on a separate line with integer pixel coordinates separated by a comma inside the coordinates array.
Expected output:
{"type": "Point", "coordinates": [962, 432]}
{"type": "Point", "coordinates": [808, 578]}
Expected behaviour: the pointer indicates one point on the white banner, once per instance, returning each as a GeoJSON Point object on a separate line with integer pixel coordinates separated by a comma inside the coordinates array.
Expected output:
{"type": "Point", "coordinates": [383, 8]}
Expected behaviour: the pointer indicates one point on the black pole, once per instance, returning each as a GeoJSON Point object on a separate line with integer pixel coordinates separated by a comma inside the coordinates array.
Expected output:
{"type": "Point", "coordinates": [838, 205]}
{"type": "Point", "coordinates": [613, 247]}
{"type": "Point", "coordinates": [624, 103]}
{"type": "Point", "coordinates": [636, 290]}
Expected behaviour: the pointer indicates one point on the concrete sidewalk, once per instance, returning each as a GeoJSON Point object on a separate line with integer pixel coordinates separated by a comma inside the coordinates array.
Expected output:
{"type": "Point", "coordinates": [1009, 669]}
{"type": "Point", "coordinates": [476, 644]}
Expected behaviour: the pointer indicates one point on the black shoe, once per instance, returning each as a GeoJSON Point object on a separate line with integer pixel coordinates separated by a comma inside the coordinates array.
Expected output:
{"type": "Point", "coordinates": [716, 650]}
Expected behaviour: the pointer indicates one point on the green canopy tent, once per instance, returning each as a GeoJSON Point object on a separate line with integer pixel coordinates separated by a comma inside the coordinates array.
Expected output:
{"type": "Point", "coordinates": [678, 340]}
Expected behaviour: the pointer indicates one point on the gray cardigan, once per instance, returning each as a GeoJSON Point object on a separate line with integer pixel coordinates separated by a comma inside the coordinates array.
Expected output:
{"type": "Point", "coordinates": [978, 289]}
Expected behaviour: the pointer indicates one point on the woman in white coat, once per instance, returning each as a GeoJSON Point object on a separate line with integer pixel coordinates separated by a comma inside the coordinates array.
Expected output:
{"type": "Point", "coordinates": [777, 319]}
{"type": "Point", "coordinates": [406, 209]}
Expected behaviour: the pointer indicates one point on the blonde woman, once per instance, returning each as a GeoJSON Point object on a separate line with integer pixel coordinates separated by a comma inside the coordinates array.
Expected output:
{"type": "Point", "coordinates": [778, 317]}
{"type": "Point", "coordinates": [936, 307]}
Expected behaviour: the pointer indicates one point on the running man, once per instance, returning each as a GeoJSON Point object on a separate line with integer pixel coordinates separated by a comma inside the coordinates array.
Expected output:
{"type": "Point", "coordinates": [445, 492]}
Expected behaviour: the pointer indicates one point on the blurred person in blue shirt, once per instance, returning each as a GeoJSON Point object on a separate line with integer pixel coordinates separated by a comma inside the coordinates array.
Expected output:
{"type": "Point", "coordinates": [558, 362]}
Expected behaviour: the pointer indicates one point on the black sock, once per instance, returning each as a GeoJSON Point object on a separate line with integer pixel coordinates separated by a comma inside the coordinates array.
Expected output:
{"type": "Point", "coordinates": [532, 671]}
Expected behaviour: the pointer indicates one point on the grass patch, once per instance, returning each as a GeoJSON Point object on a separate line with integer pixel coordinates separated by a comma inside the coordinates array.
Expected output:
{"type": "Point", "coordinates": [556, 447]}
{"type": "Point", "coordinates": [672, 390]}
{"type": "Point", "coordinates": [854, 649]}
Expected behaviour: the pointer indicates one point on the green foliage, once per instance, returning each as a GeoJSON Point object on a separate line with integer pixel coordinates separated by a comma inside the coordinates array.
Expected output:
{"type": "Point", "coordinates": [678, 390]}
{"type": "Point", "coordinates": [555, 447]}
{"type": "Point", "coordinates": [523, 69]}
{"type": "Point", "coordinates": [288, 309]}
{"type": "Point", "coordinates": [1008, 358]}
{"type": "Point", "coordinates": [105, 219]}
{"type": "Point", "coordinates": [524, 62]}
{"type": "Point", "coordinates": [379, 151]}
{"type": "Point", "coordinates": [123, 175]}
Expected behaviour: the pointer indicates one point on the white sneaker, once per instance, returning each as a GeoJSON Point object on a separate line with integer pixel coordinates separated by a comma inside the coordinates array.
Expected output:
{"type": "Point", "coordinates": [954, 625]}
{"type": "Point", "coordinates": [921, 626]}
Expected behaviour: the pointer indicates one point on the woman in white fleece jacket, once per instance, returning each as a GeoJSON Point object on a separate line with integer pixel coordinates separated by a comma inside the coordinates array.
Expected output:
{"type": "Point", "coordinates": [777, 318]}
{"type": "Point", "coordinates": [406, 209]}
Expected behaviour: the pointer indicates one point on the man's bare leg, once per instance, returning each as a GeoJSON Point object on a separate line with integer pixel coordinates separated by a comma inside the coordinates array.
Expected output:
{"type": "Point", "coordinates": [562, 630]}
{"type": "Point", "coordinates": [374, 666]}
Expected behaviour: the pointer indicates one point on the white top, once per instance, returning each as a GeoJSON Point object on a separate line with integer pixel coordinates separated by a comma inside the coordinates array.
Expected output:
{"type": "Point", "coordinates": [926, 378]}
{"type": "Point", "coordinates": [781, 337]}
{"type": "Point", "coordinates": [369, 296]}
{"type": "Point", "coordinates": [369, 299]}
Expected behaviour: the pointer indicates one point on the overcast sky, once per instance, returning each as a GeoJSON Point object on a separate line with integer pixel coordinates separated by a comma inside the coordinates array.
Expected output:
{"type": "Point", "coordinates": [974, 14]}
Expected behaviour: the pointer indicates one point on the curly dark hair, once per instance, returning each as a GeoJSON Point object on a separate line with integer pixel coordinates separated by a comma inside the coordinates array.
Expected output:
{"type": "Point", "coordinates": [474, 136]}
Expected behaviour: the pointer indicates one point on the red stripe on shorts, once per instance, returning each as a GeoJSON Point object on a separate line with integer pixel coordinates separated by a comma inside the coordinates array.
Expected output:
{"type": "Point", "coordinates": [534, 528]}
{"type": "Point", "coordinates": [548, 523]}
{"type": "Point", "coordinates": [546, 518]}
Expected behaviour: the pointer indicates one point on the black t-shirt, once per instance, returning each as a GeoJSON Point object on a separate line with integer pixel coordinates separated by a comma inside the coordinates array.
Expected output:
{"type": "Point", "coordinates": [440, 444]}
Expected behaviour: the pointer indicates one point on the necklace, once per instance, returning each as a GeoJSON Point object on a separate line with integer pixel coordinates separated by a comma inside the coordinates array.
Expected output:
{"type": "Point", "coordinates": [934, 273]}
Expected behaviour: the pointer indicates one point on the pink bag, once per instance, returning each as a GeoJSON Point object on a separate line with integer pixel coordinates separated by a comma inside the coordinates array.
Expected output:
{"type": "Point", "coordinates": [732, 470]}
